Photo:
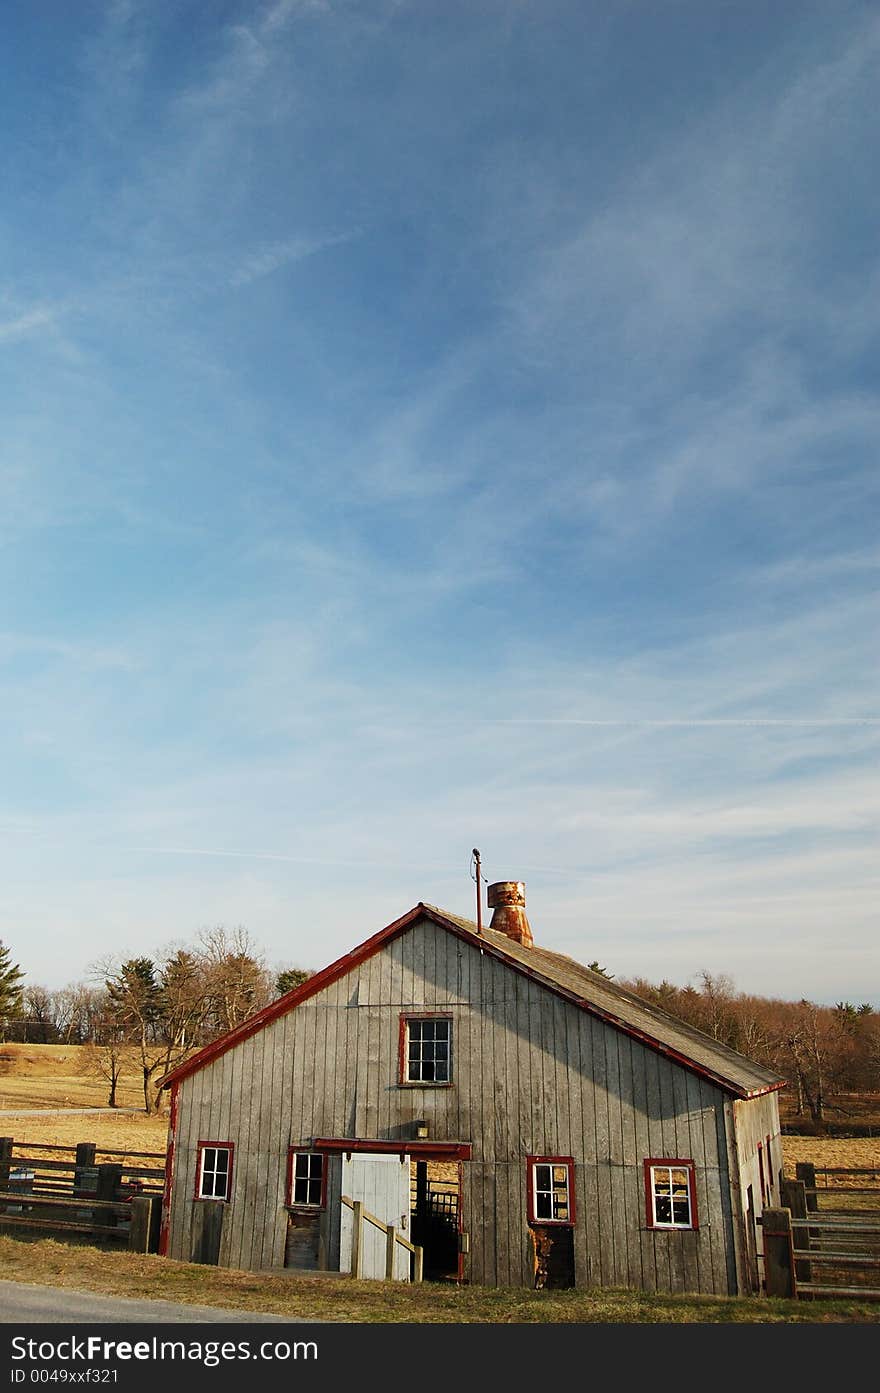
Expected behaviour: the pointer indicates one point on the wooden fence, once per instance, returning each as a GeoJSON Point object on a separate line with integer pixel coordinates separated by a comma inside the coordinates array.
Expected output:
{"type": "Point", "coordinates": [825, 1241]}
{"type": "Point", "coordinates": [393, 1237]}
{"type": "Point", "coordinates": [66, 1191]}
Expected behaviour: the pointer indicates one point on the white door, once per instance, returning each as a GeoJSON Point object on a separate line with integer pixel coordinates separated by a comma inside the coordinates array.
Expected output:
{"type": "Point", "coordinates": [382, 1184]}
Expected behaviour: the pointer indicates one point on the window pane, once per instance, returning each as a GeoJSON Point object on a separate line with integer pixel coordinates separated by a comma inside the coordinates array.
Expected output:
{"type": "Point", "coordinates": [427, 1052]}
{"type": "Point", "coordinates": [308, 1171]}
{"type": "Point", "coordinates": [550, 1191]}
{"type": "Point", "coordinates": [215, 1173]}
{"type": "Point", "coordinates": [672, 1196]}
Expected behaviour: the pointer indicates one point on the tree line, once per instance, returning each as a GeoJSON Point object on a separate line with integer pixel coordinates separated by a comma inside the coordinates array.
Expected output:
{"type": "Point", "coordinates": [148, 1013]}
{"type": "Point", "coordinates": [823, 1052]}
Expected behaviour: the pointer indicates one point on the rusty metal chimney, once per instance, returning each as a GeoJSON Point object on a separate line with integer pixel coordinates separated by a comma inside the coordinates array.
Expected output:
{"type": "Point", "coordinates": [507, 900]}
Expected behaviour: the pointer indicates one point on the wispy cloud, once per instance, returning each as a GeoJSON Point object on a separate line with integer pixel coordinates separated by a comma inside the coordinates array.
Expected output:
{"type": "Point", "coordinates": [266, 260]}
{"type": "Point", "coordinates": [28, 323]}
{"type": "Point", "coordinates": [532, 508]}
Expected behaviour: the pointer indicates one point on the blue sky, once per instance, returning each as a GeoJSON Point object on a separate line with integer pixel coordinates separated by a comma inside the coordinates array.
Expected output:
{"type": "Point", "coordinates": [435, 425]}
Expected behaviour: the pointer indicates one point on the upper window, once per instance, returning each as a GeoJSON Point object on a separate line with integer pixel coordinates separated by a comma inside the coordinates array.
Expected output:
{"type": "Point", "coordinates": [551, 1189]}
{"type": "Point", "coordinates": [214, 1172]}
{"type": "Point", "coordinates": [306, 1174]}
{"type": "Point", "coordinates": [670, 1194]}
{"type": "Point", "coordinates": [425, 1049]}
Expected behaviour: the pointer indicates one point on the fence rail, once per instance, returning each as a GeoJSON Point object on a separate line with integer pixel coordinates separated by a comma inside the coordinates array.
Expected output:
{"type": "Point", "coordinates": [393, 1237]}
{"type": "Point", "coordinates": [110, 1201]}
{"type": "Point", "coordinates": [812, 1251]}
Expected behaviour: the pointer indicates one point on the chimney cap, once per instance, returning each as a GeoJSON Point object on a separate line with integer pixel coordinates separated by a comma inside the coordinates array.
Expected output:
{"type": "Point", "coordinates": [507, 900]}
{"type": "Point", "coordinates": [506, 892]}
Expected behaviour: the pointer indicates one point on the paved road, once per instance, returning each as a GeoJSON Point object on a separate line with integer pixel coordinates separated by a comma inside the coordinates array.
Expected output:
{"type": "Point", "coordinates": [21, 1304]}
{"type": "Point", "coordinates": [48, 1112]}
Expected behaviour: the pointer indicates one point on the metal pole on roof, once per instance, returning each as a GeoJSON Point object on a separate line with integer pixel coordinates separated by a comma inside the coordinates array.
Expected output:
{"type": "Point", "coordinates": [476, 856]}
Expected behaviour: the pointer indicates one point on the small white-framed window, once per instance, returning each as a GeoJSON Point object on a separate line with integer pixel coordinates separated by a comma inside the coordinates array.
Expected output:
{"type": "Point", "coordinates": [306, 1177]}
{"type": "Point", "coordinates": [214, 1171]}
{"type": "Point", "coordinates": [551, 1189]}
{"type": "Point", "coordinates": [426, 1049]}
{"type": "Point", "coordinates": [670, 1194]}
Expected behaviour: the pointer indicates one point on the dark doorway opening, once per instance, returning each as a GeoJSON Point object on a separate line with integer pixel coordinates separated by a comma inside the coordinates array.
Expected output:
{"type": "Point", "coordinates": [435, 1220]}
{"type": "Point", "coordinates": [554, 1255]}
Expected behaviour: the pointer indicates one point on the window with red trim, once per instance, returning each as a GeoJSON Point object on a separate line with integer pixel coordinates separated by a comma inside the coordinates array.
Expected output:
{"type": "Point", "coordinates": [306, 1178]}
{"type": "Point", "coordinates": [670, 1194]}
{"type": "Point", "coordinates": [761, 1173]}
{"type": "Point", "coordinates": [214, 1170]}
{"type": "Point", "coordinates": [769, 1168]}
{"type": "Point", "coordinates": [550, 1187]}
{"type": "Point", "coordinates": [426, 1049]}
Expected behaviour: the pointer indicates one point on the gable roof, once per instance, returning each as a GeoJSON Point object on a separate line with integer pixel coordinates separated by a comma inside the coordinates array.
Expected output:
{"type": "Point", "coordinates": [591, 991]}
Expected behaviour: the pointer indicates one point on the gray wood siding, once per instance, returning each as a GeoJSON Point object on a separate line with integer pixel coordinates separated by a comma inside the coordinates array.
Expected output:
{"type": "Point", "coordinates": [532, 1075]}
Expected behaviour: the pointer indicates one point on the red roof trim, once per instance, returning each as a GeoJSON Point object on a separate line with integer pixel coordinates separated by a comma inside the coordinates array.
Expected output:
{"type": "Point", "coordinates": [330, 974]}
{"type": "Point", "coordinates": [312, 985]}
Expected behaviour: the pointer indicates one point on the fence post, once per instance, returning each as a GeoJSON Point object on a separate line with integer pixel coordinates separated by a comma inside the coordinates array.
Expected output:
{"type": "Point", "coordinates": [85, 1160]}
{"type": "Point", "coordinates": [805, 1171]}
{"type": "Point", "coordinates": [779, 1276]}
{"type": "Point", "coordinates": [794, 1196]}
{"type": "Point", "coordinates": [390, 1246]}
{"type": "Point", "coordinates": [109, 1181]}
{"type": "Point", "coordinates": [357, 1226]}
{"type": "Point", "coordinates": [419, 1264]}
{"type": "Point", "coordinates": [141, 1224]}
{"type": "Point", "coordinates": [6, 1145]}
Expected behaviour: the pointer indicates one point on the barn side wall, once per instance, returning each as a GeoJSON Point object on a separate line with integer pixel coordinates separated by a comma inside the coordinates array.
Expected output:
{"type": "Point", "coordinates": [757, 1140]}
{"type": "Point", "coordinates": [533, 1075]}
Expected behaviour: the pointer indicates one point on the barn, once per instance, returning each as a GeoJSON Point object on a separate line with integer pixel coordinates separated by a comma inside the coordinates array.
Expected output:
{"type": "Point", "coordinates": [520, 1118]}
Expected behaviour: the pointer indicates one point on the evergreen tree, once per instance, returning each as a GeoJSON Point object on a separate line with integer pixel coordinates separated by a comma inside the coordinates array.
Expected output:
{"type": "Point", "coordinates": [288, 979]}
{"type": "Point", "coordinates": [11, 978]}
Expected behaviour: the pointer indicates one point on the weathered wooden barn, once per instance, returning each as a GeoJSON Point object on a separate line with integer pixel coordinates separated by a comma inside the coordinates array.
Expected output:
{"type": "Point", "coordinates": [522, 1118]}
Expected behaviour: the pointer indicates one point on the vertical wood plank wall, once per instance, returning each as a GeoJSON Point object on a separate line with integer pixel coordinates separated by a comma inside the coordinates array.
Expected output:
{"type": "Point", "coordinates": [532, 1075]}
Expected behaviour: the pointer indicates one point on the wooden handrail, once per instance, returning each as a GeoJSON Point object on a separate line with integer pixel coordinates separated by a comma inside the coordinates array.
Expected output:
{"type": "Point", "coordinates": [388, 1230]}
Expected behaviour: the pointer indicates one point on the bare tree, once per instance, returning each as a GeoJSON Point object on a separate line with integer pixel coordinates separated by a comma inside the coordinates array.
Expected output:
{"type": "Point", "coordinates": [238, 982]}
{"type": "Point", "coordinates": [159, 1010]}
{"type": "Point", "coordinates": [38, 1016]}
{"type": "Point", "coordinates": [107, 1055]}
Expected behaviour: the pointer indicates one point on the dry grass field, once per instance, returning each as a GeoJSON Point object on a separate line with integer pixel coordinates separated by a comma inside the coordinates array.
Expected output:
{"type": "Point", "coordinates": [44, 1077]}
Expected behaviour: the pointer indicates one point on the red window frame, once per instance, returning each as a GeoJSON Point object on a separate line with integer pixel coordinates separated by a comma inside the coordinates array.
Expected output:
{"type": "Point", "coordinates": [769, 1168]}
{"type": "Point", "coordinates": [671, 1163]}
{"type": "Point", "coordinates": [761, 1174]}
{"type": "Point", "coordinates": [292, 1153]}
{"type": "Point", "coordinates": [568, 1162]}
{"type": "Point", "coordinates": [201, 1148]}
{"type": "Point", "coordinates": [403, 1049]}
